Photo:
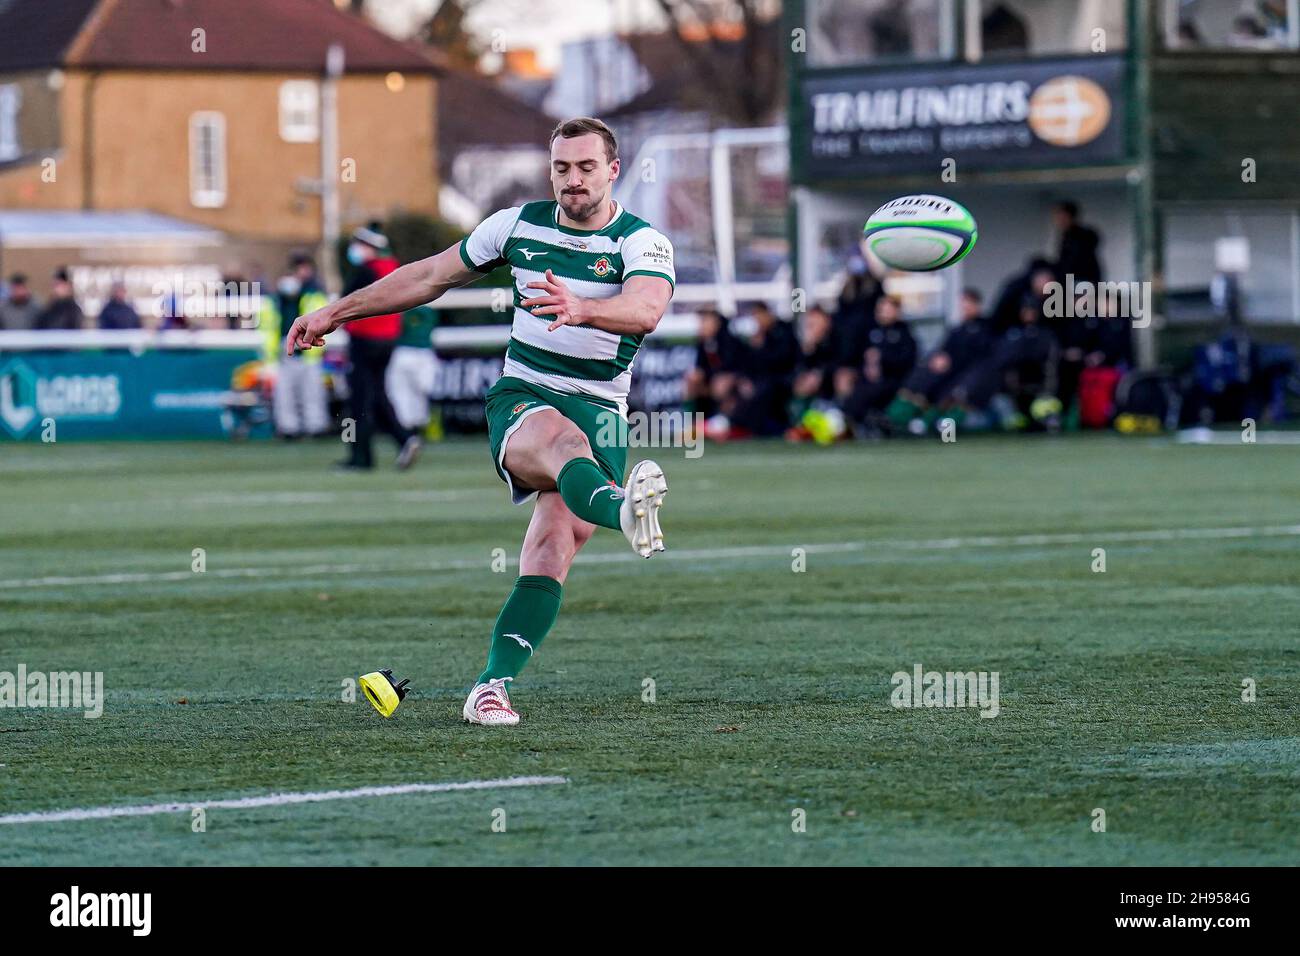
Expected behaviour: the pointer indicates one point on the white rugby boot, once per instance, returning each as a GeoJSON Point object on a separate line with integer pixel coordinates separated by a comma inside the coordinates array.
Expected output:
{"type": "Point", "coordinates": [489, 704]}
{"type": "Point", "coordinates": [639, 514]}
{"type": "Point", "coordinates": [409, 452]}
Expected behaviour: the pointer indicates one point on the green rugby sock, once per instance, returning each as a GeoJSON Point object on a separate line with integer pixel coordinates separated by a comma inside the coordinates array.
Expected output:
{"type": "Point", "coordinates": [588, 493]}
{"type": "Point", "coordinates": [525, 619]}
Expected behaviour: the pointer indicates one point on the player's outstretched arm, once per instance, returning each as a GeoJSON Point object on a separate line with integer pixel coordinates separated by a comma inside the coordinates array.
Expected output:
{"type": "Point", "coordinates": [634, 311]}
{"type": "Point", "coordinates": [405, 288]}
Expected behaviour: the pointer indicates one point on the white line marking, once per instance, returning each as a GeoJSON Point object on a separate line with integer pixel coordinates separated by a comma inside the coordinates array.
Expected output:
{"type": "Point", "coordinates": [1155, 534]}
{"type": "Point", "coordinates": [271, 499]}
{"type": "Point", "coordinates": [145, 577]}
{"type": "Point", "coordinates": [698, 554]}
{"type": "Point", "coordinates": [274, 800]}
{"type": "Point", "coordinates": [326, 497]}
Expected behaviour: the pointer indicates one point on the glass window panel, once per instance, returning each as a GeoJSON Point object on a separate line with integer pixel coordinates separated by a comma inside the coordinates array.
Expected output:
{"type": "Point", "coordinates": [844, 32]}
{"type": "Point", "coordinates": [1052, 27]}
{"type": "Point", "coordinates": [1231, 24]}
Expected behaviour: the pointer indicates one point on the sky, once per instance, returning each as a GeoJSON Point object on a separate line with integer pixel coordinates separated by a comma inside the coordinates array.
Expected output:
{"type": "Point", "coordinates": [541, 24]}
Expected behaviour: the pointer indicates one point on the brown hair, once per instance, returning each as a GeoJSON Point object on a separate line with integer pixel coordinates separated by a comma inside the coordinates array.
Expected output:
{"type": "Point", "coordinates": [583, 125]}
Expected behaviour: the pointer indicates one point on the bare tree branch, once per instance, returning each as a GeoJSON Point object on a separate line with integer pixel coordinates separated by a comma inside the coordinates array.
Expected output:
{"type": "Point", "coordinates": [745, 94]}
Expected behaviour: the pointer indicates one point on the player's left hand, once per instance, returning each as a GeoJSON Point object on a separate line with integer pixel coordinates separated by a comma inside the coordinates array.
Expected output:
{"type": "Point", "coordinates": [559, 301]}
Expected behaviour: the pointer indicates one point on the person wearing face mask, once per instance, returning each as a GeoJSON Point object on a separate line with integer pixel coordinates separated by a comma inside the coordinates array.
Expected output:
{"type": "Point", "coordinates": [298, 403]}
{"type": "Point", "coordinates": [370, 349]}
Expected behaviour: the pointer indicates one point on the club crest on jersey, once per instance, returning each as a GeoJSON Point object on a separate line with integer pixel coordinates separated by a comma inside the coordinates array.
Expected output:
{"type": "Point", "coordinates": [601, 267]}
{"type": "Point", "coordinates": [519, 408]}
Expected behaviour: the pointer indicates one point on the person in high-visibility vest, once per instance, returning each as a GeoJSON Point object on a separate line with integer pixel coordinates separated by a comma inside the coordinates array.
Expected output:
{"type": "Point", "coordinates": [298, 403]}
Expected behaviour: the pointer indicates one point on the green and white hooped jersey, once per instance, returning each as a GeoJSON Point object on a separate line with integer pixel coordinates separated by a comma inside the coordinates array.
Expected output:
{"type": "Point", "coordinates": [575, 359]}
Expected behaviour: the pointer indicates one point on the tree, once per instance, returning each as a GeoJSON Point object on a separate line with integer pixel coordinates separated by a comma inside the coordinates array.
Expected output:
{"type": "Point", "coordinates": [739, 63]}
{"type": "Point", "coordinates": [446, 32]}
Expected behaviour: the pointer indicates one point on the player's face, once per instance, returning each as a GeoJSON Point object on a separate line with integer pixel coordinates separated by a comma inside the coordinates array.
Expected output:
{"type": "Point", "coordinates": [580, 175]}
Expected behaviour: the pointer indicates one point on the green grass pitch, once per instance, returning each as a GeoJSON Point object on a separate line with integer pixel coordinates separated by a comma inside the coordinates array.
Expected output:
{"type": "Point", "coordinates": [1119, 690]}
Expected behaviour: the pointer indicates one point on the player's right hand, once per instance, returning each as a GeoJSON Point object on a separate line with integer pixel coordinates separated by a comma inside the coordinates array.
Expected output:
{"type": "Point", "coordinates": [309, 331]}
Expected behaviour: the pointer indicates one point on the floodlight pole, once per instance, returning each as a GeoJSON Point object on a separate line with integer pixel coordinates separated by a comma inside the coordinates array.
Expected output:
{"type": "Point", "coordinates": [724, 239]}
{"type": "Point", "coordinates": [329, 167]}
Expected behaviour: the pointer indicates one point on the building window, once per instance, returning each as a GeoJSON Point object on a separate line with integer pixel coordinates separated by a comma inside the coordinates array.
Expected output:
{"type": "Point", "coordinates": [299, 111]}
{"type": "Point", "coordinates": [208, 160]}
{"type": "Point", "coordinates": [845, 32]}
{"type": "Point", "coordinates": [1249, 25]}
{"type": "Point", "coordinates": [11, 98]}
{"type": "Point", "coordinates": [1044, 27]}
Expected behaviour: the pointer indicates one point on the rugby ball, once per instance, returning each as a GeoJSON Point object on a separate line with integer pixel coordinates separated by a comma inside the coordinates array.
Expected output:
{"type": "Point", "coordinates": [920, 233]}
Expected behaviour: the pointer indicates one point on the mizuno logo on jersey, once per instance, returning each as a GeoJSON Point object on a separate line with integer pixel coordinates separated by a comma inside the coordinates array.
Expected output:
{"type": "Point", "coordinates": [530, 254]}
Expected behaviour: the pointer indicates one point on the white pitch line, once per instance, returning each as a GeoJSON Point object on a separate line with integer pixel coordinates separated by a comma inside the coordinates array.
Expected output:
{"type": "Point", "coordinates": [696, 554]}
{"type": "Point", "coordinates": [416, 495]}
{"type": "Point", "coordinates": [274, 800]}
{"type": "Point", "coordinates": [1155, 534]}
{"type": "Point", "coordinates": [270, 570]}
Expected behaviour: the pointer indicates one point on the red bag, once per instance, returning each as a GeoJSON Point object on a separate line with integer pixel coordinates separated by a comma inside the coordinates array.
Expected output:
{"type": "Point", "coordinates": [1097, 396]}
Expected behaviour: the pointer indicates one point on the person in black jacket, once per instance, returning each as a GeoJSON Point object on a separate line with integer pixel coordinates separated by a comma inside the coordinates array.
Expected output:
{"type": "Point", "coordinates": [889, 358]}
{"type": "Point", "coordinates": [1077, 253]}
{"type": "Point", "coordinates": [814, 369]}
{"type": "Point", "coordinates": [854, 312]}
{"type": "Point", "coordinates": [929, 383]}
{"type": "Point", "coordinates": [1107, 340]}
{"type": "Point", "coordinates": [815, 364]}
{"type": "Point", "coordinates": [1070, 329]}
{"type": "Point", "coordinates": [62, 312]}
{"type": "Point", "coordinates": [1030, 358]}
{"type": "Point", "coordinates": [118, 312]}
{"type": "Point", "coordinates": [764, 384]}
{"type": "Point", "coordinates": [370, 348]}
{"type": "Point", "coordinates": [1022, 367]}
{"type": "Point", "coordinates": [711, 384]}
{"type": "Point", "coordinates": [1031, 281]}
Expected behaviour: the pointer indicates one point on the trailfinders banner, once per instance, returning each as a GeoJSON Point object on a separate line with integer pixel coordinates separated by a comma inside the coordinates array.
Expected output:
{"type": "Point", "coordinates": [987, 116]}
